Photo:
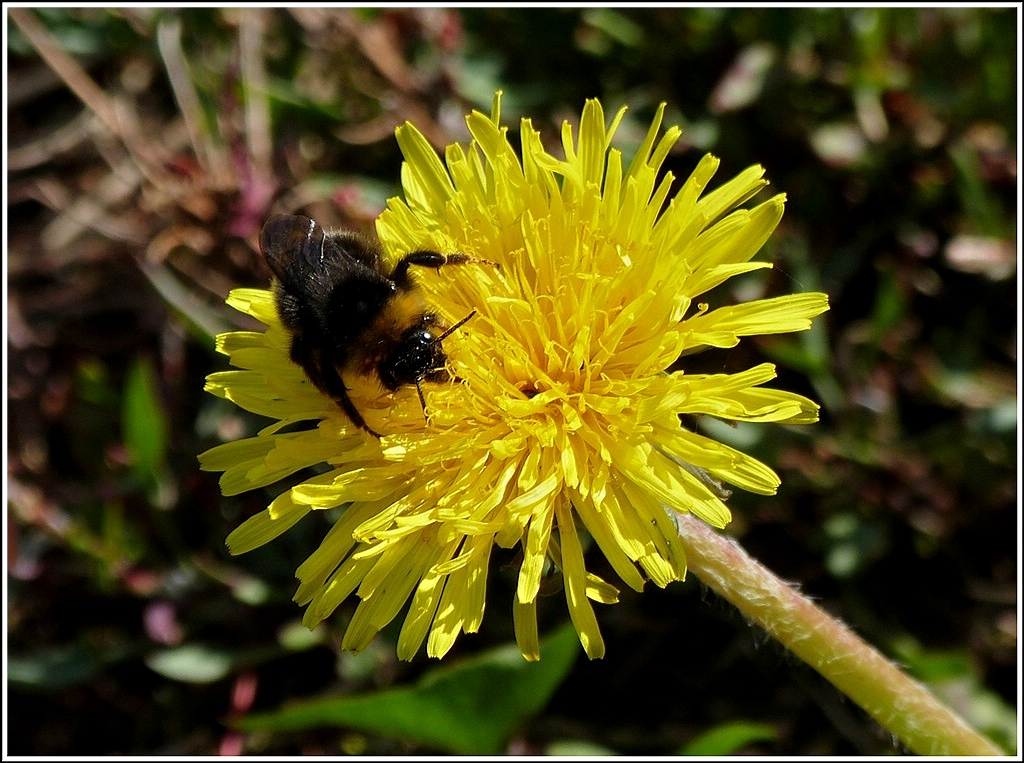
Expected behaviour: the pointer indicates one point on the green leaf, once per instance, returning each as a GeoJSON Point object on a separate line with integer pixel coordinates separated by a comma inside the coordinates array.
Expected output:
{"type": "Point", "coordinates": [144, 423]}
{"type": "Point", "coordinates": [576, 748]}
{"type": "Point", "coordinates": [472, 707]}
{"type": "Point", "coordinates": [59, 667]}
{"type": "Point", "coordinates": [198, 663]}
{"type": "Point", "coordinates": [194, 664]}
{"type": "Point", "coordinates": [729, 738]}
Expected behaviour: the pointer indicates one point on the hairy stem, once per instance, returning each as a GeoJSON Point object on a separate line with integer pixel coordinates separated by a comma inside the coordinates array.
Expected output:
{"type": "Point", "coordinates": [896, 701]}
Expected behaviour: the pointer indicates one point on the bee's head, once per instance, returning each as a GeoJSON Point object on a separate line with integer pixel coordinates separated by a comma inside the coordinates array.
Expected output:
{"type": "Point", "coordinates": [417, 356]}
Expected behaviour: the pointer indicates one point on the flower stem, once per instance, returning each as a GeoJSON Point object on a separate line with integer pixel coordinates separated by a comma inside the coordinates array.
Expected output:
{"type": "Point", "coordinates": [900, 704]}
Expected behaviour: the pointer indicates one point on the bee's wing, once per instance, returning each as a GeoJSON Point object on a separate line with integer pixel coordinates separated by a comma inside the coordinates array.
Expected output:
{"type": "Point", "coordinates": [293, 246]}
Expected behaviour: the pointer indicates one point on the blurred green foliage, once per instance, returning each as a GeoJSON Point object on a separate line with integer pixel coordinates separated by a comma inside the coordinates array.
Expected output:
{"type": "Point", "coordinates": [729, 739]}
{"type": "Point", "coordinates": [891, 130]}
{"type": "Point", "coordinates": [472, 707]}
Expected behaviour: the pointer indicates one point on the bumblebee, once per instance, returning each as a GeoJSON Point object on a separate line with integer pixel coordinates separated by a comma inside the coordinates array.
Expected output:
{"type": "Point", "coordinates": [347, 312]}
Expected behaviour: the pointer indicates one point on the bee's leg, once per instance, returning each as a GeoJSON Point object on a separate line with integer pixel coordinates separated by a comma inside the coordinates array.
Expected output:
{"type": "Point", "coordinates": [335, 387]}
{"type": "Point", "coordinates": [428, 259]}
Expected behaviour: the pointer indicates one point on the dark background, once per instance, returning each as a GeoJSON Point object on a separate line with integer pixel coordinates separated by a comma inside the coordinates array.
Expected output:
{"type": "Point", "coordinates": [893, 134]}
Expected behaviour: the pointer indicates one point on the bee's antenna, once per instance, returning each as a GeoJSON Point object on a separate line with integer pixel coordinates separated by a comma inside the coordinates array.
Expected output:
{"type": "Point", "coordinates": [449, 331]}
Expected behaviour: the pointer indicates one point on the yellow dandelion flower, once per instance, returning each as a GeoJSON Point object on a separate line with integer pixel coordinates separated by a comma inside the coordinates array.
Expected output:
{"type": "Point", "coordinates": [560, 425]}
